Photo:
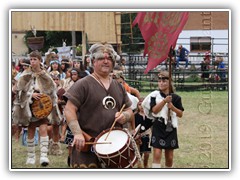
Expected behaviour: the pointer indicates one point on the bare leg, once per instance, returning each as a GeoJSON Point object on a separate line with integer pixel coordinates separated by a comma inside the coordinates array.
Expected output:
{"type": "Point", "coordinates": [55, 133]}
{"type": "Point", "coordinates": [146, 157]}
{"type": "Point", "coordinates": [157, 155]}
{"type": "Point", "coordinates": [63, 132]}
{"type": "Point", "coordinates": [50, 131]}
{"type": "Point", "coordinates": [169, 158]}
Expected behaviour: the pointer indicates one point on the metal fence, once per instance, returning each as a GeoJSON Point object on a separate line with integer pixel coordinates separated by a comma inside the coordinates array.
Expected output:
{"type": "Point", "coordinates": [184, 79]}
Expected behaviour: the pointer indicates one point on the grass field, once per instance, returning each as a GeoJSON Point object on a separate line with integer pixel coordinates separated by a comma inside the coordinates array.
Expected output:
{"type": "Point", "coordinates": [203, 135]}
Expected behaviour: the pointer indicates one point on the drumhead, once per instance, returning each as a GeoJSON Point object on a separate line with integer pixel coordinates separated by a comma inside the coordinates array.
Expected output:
{"type": "Point", "coordinates": [118, 139]}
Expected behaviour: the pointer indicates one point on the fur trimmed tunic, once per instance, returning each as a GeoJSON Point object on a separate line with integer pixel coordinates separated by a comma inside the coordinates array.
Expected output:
{"type": "Point", "coordinates": [22, 114]}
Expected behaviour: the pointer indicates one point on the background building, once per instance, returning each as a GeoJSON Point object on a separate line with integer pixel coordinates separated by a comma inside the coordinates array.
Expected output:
{"type": "Point", "coordinates": [98, 26]}
{"type": "Point", "coordinates": [204, 31]}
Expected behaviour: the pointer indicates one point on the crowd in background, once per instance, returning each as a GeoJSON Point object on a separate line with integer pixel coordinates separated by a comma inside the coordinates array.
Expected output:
{"type": "Point", "coordinates": [67, 71]}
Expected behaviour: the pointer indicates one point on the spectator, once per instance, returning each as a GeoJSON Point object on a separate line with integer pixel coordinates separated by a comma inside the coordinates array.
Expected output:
{"type": "Point", "coordinates": [182, 55]}
{"type": "Point", "coordinates": [205, 67]}
{"type": "Point", "coordinates": [221, 69]}
{"type": "Point", "coordinates": [87, 64]}
{"type": "Point", "coordinates": [65, 65]}
{"type": "Point", "coordinates": [56, 66]}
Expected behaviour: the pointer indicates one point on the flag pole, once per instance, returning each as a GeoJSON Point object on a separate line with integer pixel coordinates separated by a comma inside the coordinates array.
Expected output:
{"type": "Point", "coordinates": [169, 122]}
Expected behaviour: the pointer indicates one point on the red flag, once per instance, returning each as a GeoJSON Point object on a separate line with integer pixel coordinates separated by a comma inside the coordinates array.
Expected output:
{"type": "Point", "coordinates": [160, 30]}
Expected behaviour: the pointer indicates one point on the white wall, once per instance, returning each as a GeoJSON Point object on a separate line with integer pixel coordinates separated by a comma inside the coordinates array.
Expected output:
{"type": "Point", "coordinates": [18, 45]}
{"type": "Point", "coordinates": [201, 33]}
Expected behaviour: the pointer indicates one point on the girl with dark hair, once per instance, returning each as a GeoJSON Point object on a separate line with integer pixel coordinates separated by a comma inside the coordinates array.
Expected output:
{"type": "Point", "coordinates": [55, 66]}
{"type": "Point", "coordinates": [87, 64]}
{"type": "Point", "coordinates": [157, 106]}
{"type": "Point", "coordinates": [65, 65]}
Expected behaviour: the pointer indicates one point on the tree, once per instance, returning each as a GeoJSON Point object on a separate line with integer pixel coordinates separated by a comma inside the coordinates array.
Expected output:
{"type": "Point", "coordinates": [55, 38]}
{"type": "Point", "coordinates": [135, 45]}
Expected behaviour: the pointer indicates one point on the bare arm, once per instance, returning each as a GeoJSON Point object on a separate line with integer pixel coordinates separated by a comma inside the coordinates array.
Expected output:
{"type": "Point", "coordinates": [135, 92]}
{"type": "Point", "coordinates": [158, 107]}
{"type": "Point", "coordinates": [70, 112]}
{"type": "Point", "coordinates": [125, 116]}
{"type": "Point", "coordinates": [176, 110]}
{"type": "Point", "coordinates": [72, 121]}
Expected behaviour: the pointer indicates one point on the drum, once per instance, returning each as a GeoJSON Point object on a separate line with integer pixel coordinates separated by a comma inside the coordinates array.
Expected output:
{"type": "Point", "coordinates": [43, 107]}
{"type": "Point", "coordinates": [119, 152]}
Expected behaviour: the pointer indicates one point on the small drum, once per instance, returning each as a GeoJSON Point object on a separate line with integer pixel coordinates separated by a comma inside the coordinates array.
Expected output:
{"type": "Point", "coordinates": [43, 107]}
{"type": "Point", "coordinates": [119, 152]}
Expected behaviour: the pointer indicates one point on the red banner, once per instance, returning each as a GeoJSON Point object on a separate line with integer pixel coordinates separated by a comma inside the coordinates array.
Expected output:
{"type": "Point", "coordinates": [160, 30]}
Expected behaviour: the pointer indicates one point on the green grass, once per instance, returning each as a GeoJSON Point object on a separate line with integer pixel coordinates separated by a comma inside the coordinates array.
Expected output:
{"type": "Point", "coordinates": [203, 135]}
{"type": "Point", "coordinates": [203, 130]}
{"type": "Point", "coordinates": [19, 154]}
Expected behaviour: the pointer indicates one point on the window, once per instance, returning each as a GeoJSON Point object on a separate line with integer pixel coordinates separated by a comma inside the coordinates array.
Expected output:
{"type": "Point", "coordinates": [200, 44]}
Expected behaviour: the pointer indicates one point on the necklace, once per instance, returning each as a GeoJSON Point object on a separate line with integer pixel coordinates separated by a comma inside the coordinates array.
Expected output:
{"type": "Point", "coordinates": [108, 101]}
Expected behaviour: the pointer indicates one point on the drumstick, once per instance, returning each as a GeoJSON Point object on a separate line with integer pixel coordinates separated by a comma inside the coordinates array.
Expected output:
{"type": "Point", "coordinates": [114, 122]}
{"type": "Point", "coordinates": [98, 142]}
{"type": "Point", "coordinates": [92, 143]}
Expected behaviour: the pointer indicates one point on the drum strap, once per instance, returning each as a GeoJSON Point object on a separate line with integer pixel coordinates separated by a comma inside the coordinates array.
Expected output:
{"type": "Point", "coordinates": [135, 147]}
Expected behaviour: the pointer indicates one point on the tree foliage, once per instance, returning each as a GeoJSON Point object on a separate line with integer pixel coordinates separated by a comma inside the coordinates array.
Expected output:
{"type": "Point", "coordinates": [55, 38]}
{"type": "Point", "coordinates": [136, 44]}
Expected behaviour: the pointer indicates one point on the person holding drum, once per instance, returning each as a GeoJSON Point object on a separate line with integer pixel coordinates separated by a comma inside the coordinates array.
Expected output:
{"type": "Point", "coordinates": [163, 106]}
{"type": "Point", "coordinates": [36, 106]}
{"type": "Point", "coordinates": [93, 105]}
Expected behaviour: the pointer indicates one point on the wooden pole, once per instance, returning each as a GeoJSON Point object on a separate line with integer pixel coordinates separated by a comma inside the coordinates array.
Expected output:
{"type": "Point", "coordinates": [84, 45]}
{"type": "Point", "coordinates": [169, 122]}
{"type": "Point", "coordinates": [73, 33]}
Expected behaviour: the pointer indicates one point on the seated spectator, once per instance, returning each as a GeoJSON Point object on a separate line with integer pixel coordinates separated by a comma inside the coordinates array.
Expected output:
{"type": "Point", "coordinates": [221, 68]}
{"type": "Point", "coordinates": [182, 55]}
{"type": "Point", "coordinates": [205, 67]}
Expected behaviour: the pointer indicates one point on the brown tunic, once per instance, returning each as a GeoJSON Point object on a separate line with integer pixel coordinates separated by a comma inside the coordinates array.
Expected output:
{"type": "Point", "coordinates": [87, 94]}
